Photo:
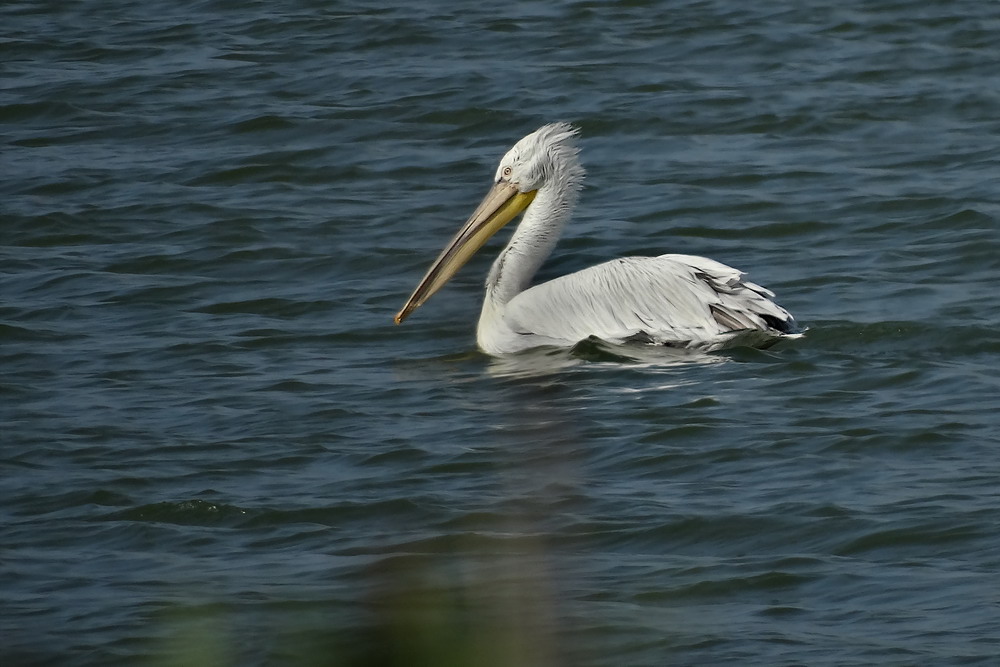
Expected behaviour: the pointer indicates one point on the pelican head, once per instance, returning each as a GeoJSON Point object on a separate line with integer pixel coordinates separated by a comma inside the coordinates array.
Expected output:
{"type": "Point", "coordinates": [545, 157]}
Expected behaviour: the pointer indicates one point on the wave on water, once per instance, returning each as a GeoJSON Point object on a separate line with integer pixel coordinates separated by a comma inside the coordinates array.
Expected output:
{"type": "Point", "coordinates": [218, 449]}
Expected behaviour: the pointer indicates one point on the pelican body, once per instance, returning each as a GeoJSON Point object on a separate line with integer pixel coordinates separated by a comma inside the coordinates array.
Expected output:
{"type": "Point", "coordinates": [675, 300]}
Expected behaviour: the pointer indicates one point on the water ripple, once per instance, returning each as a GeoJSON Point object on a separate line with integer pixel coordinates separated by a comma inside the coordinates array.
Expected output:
{"type": "Point", "coordinates": [221, 450]}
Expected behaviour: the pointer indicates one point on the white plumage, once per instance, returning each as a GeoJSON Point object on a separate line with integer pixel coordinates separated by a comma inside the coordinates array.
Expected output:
{"type": "Point", "coordinates": [676, 300]}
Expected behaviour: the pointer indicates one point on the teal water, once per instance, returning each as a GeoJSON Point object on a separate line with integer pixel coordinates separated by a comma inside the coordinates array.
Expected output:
{"type": "Point", "coordinates": [217, 449]}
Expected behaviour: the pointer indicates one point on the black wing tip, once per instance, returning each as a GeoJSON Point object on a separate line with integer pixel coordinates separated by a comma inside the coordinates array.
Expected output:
{"type": "Point", "coordinates": [782, 325]}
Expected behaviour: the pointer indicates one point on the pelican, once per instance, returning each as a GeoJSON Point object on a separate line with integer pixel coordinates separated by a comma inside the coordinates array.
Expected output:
{"type": "Point", "coordinates": [679, 301]}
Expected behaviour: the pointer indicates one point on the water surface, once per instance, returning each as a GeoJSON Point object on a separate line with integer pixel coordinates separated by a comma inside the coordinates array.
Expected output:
{"type": "Point", "coordinates": [217, 448]}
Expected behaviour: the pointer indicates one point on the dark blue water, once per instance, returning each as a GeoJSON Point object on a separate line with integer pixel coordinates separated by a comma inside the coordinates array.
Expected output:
{"type": "Point", "coordinates": [217, 449]}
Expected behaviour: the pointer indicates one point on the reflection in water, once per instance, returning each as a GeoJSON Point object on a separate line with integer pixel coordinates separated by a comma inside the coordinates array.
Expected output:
{"type": "Point", "coordinates": [488, 587]}
{"type": "Point", "coordinates": [477, 600]}
{"type": "Point", "coordinates": [546, 361]}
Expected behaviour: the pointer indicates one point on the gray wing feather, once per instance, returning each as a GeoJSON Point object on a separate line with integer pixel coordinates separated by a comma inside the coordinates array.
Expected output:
{"type": "Point", "coordinates": [668, 299]}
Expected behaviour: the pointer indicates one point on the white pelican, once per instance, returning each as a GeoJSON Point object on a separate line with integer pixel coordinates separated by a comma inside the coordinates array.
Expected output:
{"type": "Point", "coordinates": [675, 300]}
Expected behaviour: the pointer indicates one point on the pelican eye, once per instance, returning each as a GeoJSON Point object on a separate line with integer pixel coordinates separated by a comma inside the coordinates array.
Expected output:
{"type": "Point", "coordinates": [507, 171]}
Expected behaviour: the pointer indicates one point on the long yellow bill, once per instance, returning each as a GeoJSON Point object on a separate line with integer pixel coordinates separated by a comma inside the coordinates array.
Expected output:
{"type": "Point", "coordinates": [500, 205]}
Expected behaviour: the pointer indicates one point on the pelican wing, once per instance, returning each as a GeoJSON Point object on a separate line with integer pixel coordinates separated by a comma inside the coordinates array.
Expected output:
{"type": "Point", "coordinates": [671, 299]}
